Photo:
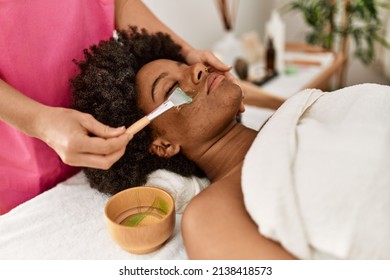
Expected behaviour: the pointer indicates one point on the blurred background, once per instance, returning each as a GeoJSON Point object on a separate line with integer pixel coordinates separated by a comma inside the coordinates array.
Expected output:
{"type": "Point", "coordinates": [200, 23]}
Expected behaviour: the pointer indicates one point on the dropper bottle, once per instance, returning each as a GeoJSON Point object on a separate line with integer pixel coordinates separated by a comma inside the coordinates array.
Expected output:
{"type": "Point", "coordinates": [270, 57]}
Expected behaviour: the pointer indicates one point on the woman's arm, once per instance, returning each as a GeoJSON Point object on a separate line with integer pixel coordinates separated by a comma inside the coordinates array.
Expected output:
{"type": "Point", "coordinates": [256, 96]}
{"type": "Point", "coordinates": [135, 12]}
{"type": "Point", "coordinates": [18, 110]}
{"type": "Point", "coordinates": [65, 130]}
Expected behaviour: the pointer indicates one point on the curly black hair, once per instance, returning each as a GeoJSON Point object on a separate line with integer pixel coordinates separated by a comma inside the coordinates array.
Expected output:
{"type": "Point", "coordinates": [105, 88]}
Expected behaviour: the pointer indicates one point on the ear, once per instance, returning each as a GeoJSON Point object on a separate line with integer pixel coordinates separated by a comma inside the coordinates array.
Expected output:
{"type": "Point", "coordinates": [164, 148]}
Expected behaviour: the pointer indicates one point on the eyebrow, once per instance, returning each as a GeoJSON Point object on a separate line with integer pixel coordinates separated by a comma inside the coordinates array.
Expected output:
{"type": "Point", "coordinates": [156, 82]}
{"type": "Point", "coordinates": [159, 78]}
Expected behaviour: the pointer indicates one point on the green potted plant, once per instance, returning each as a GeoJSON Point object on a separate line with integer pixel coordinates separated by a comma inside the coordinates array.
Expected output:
{"type": "Point", "coordinates": [334, 22]}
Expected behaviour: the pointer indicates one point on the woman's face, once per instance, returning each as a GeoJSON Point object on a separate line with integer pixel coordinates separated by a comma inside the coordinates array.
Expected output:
{"type": "Point", "coordinates": [213, 111]}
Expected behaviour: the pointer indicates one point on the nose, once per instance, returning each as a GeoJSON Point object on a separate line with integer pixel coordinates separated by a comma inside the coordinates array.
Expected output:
{"type": "Point", "coordinates": [198, 71]}
{"type": "Point", "coordinates": [192, 78]}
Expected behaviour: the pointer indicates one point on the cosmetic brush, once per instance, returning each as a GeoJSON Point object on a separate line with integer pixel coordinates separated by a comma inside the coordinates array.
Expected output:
{"type": "Point", "coordinates": [177, 98]}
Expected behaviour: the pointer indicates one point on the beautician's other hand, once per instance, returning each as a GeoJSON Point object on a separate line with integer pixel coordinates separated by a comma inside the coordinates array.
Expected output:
{"type": "Point", "coordinates": [208, 58]}
{"type": "Point", "coordinates": [69, 132]}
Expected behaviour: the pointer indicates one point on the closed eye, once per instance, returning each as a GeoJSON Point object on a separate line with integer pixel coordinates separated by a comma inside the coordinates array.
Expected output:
{"type": "Point", "coordinates": [170, 90]}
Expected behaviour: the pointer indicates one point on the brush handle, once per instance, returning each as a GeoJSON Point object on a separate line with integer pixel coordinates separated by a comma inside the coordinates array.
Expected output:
{"type": "Point", "coordinates": [138, 125]}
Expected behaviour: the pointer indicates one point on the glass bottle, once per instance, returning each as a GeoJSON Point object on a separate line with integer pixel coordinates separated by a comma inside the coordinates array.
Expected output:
{"type": "Point", "coordinates": [270, 57]}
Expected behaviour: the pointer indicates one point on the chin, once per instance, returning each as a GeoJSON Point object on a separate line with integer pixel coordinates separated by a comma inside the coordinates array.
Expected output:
{"type": "Point", "coordinates": [230, 89]}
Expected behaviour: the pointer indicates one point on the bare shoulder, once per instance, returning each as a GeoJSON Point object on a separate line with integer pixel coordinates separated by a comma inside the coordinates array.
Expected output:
{"type": "Point", "coordinates": [217, 216]}
{"type": "Point", "coordinates": [230, 185]}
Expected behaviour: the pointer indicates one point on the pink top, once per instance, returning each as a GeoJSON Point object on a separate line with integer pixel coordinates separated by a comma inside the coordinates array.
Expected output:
{"type": "Point", "coordinates": [38, 41]}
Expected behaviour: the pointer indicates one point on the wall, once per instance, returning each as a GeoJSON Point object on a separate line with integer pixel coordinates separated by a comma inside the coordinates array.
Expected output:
{"type": "Point", "coordinates": [198, 22]}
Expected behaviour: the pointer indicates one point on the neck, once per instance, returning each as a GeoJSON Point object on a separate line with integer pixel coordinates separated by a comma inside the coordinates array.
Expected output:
{"type": "Point", "coordinates": [227, 152]}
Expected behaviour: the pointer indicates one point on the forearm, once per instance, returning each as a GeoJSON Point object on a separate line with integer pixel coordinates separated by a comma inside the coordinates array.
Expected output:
{"type": "Point", "coordinates": [135, 12]}
{"type": "Point", "coordinates": [19, 110]}
{"type": "Point", "coordinates": [256, 96]}
{"type": "Point", "coordinates": [66, 131]}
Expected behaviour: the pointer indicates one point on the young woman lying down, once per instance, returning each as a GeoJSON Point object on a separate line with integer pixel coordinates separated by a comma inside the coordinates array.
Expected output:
{"type": "Point", "coordinates": [312, 183]}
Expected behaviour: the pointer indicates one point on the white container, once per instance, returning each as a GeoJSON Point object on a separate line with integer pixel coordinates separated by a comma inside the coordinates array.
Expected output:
{"type": "Point", "coordinates": [228, 49]}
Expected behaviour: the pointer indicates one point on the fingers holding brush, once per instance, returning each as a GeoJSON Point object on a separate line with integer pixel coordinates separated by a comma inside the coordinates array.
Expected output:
{"type": "Point", "coordinates": [81, 140]}
{"type": "Point", "coordinates": [101, 154]}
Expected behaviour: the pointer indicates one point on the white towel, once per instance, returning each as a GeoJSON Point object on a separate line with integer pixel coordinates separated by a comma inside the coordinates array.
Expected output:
{"type": "Point", "coordinates": [317, 179]}
{"type": "Point", "coordinates": [181, 188]}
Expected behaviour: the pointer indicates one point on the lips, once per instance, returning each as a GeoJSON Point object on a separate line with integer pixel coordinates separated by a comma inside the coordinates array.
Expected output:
{"type": "Point", "coordinates": [213, 80]}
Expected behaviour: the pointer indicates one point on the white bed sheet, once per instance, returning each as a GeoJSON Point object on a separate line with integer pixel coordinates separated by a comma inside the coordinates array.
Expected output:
{"type": "Point", "coordinates": [67, 222]}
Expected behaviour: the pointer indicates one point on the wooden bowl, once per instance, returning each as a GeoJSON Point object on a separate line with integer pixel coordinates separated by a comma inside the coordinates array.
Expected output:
{"type": "Point", "coordinates": [140, 219]}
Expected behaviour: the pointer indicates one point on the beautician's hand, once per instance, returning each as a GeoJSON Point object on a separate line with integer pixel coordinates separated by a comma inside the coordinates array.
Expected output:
{"type": "Point", "coordinates": [208, 58]}
{"type": "Point", "coordinates": [69, 131]}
